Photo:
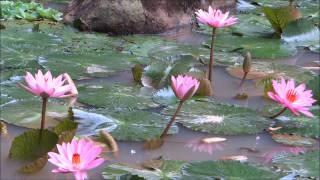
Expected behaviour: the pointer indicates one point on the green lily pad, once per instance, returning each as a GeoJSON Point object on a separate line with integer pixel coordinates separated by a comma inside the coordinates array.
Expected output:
{"type": "Point", "coordinates": [28, 113]}
{"type": "Point", "coordinates": [217, 118]}
{"type": "Point", "coordinates": [265, 69]}
{"type": "Point", "coordinates": [305, 165]}
{"type": "Point", "coordinates": [116, 96]}
{"type": "Point", "coordinates": [140, 125]}
{"type": "Point", "coordinates": [225, 170]}
{"type": "Point", "coordinates": [169, 170]}
{"type": "Point", "coordinates": [302, 32]}
{"type": "Point", "coordinates": [196, 170]}
{"type": "Point", "coordinates": [123, 125]}
{"type": "Point", "coordinates": [192, 53]}
{"type": "Point", "coordinates": [158, 74]}
{"type": "Point", "coordinates": [293, 140]}
{"type": "Point", "coordinates": [165, 96]}
{"type": "Point", "coordinates": [279, 17]}
{"type": "Point", "coordinates": [299, 125]}
{"type": "Point", "coordinates": [27, 146]}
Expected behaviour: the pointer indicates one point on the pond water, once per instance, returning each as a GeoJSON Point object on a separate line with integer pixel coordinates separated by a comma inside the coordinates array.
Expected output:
{"type": "Point", "coordinates": [101, 66]}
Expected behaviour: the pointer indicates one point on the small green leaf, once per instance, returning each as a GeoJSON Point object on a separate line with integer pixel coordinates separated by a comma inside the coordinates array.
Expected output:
{"type": "Point", "coordinates": [66, 125]}
{"type": "Point", "coordinates": [29, 146]}
{"type": "Point", "coordinates": [280, 17]}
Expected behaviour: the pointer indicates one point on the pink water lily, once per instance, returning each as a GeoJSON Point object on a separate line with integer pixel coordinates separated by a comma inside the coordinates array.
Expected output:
{"type": "Point", "coordinates": [184, 87]}
{"type": "Point", "coordinates": [215, 18]}
{"type": "Point", "coordinates": [76, 157]}
{"type": "Point", "coordinates": [296, 99]}
{"type": "Point", "coordinates": [45, 85]}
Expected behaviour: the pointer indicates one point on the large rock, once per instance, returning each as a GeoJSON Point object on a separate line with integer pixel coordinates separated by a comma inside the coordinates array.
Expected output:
{"type": "Point", "coordinates": [135, 16]}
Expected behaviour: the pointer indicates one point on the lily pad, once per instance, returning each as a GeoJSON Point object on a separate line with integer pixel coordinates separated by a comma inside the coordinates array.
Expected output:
{"type": "Point", "coordinates": [158, 74]}
{"type": "Point", "coordinates": [293, 140]}
{"type": "Point", "coordinates": [305, 165]}
{"type": "Point", "coordinates": [116, 96]}
{"type": "Point", "coordinates": [28, 113]}
{"type": "Point", "coordinates": [314, 85]}
{"type": "Point", "coordinates": [300, 125]}
{"type": "Point", "coordinates": [217, 118]}
{"type": "Point", "coordinates": [302, 32]}
{"type": "Point", "coordinates": [165, 96]}
{"type": "Point", "coordinates": [169, 170]}
{"type": "Point", "coordinates": [225, 170]}
{"type": "Point", "coordinates": [194, 53]}
{"type": "Point", "coordinates": [27, 146]}
{"type": "Point", "coordinates": [196, 170]}
{"type": "Point", "coordinates": [123, 125]}
{"type": "Point", "coordinates": [264, 69]}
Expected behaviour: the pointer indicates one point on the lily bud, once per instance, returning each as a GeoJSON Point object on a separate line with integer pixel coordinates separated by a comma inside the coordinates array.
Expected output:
{"type": "Point", "coordinates": [246, 66]}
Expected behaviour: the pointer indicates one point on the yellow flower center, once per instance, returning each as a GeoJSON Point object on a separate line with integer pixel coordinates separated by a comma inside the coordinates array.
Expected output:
{"type": "Point", "coordinates": [76, 159]}
{"type": "Point", "coordinates": [292, 96]}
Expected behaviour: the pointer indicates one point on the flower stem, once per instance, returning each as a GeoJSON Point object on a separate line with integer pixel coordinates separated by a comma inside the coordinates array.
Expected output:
{"type": "Point", "coordinates": [164, 133]}
{"type": "Point", "coordinates": [279, 113]}
{"type": "Point", "coordinates": [43, 114]}
{"type": "Point", "coordinates": [211, 54]}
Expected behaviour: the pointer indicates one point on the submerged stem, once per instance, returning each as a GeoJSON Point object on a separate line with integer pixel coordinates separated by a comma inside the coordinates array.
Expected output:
{"type": "Point", "coordinates": [279, 113]}
{"type": "Point", "coordinates": [164, 133]}
{"type": "Point", "coordinates": [211, 54]}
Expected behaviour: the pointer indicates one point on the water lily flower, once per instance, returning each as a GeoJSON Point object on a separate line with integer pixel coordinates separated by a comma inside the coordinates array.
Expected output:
{"type": "Point", "coordinates": [76, 157]}
{"type": "Point", "coordinates": [184, 87]}
{"type": "Point", "coordinates": [214, 18]}
{"type": "Point", "coordinates": [296, 99]}
{"type": "Point", "coordinates": [45, 85]}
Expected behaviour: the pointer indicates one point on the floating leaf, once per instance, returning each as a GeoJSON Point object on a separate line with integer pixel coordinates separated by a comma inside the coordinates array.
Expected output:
{"type": "Point", "coordinates": [305, 165]}
{"type": "Point", "coordinates": [280, 17]}
{"type": "Point", "coordinates": [261, 70]}
{"type": "Point", "coordinates": [27, 145]}
{"type": "Point", "coordinates": [293, 140]}
{"type": "Point", "coordinates": [134, 125]}
{"type": "Point", "coordinates": [225, 170]}
{"type": "Point", "coordinates": [297, 125]}
{"type": "Point", "coordinates": [28, 113]}
{"type": "Point", "coordinates": [219, 118]}
{"type": "Point", "coordinates": [168, 170]}
{"type": "Point", "coordinates": [35, 165]}
{"type": "Point", "coordinates": [140, 125]}
{"type": "Point", "coordinates": [165, 96]}
{"type": "Point", "coordinates": [66, 125]}
{"type": "Point", "coordinates": [158, 74]}
{"type": "Point", "coordinates": [116, 96]}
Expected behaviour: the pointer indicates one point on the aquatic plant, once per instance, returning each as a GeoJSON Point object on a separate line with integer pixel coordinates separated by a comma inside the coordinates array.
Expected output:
{"type": "Point", "coordinates": [184, 87]}
{"type": "Point", "coordinates": [76, 157]}
{"type": "Point", "coordinates": [215, 19]}
{"type": "Point", "coordinates": [296, 99]}
{"type": "Point", "coordinates": [46, 86]}
{"type": "Point", "coordinates": [29, 11]}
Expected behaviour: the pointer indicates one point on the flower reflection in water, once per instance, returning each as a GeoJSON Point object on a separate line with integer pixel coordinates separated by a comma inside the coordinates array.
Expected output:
{"type": "Point", "coordinates": [282, 151]}
{"type": "Point", "coordinates": [207, 145]}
